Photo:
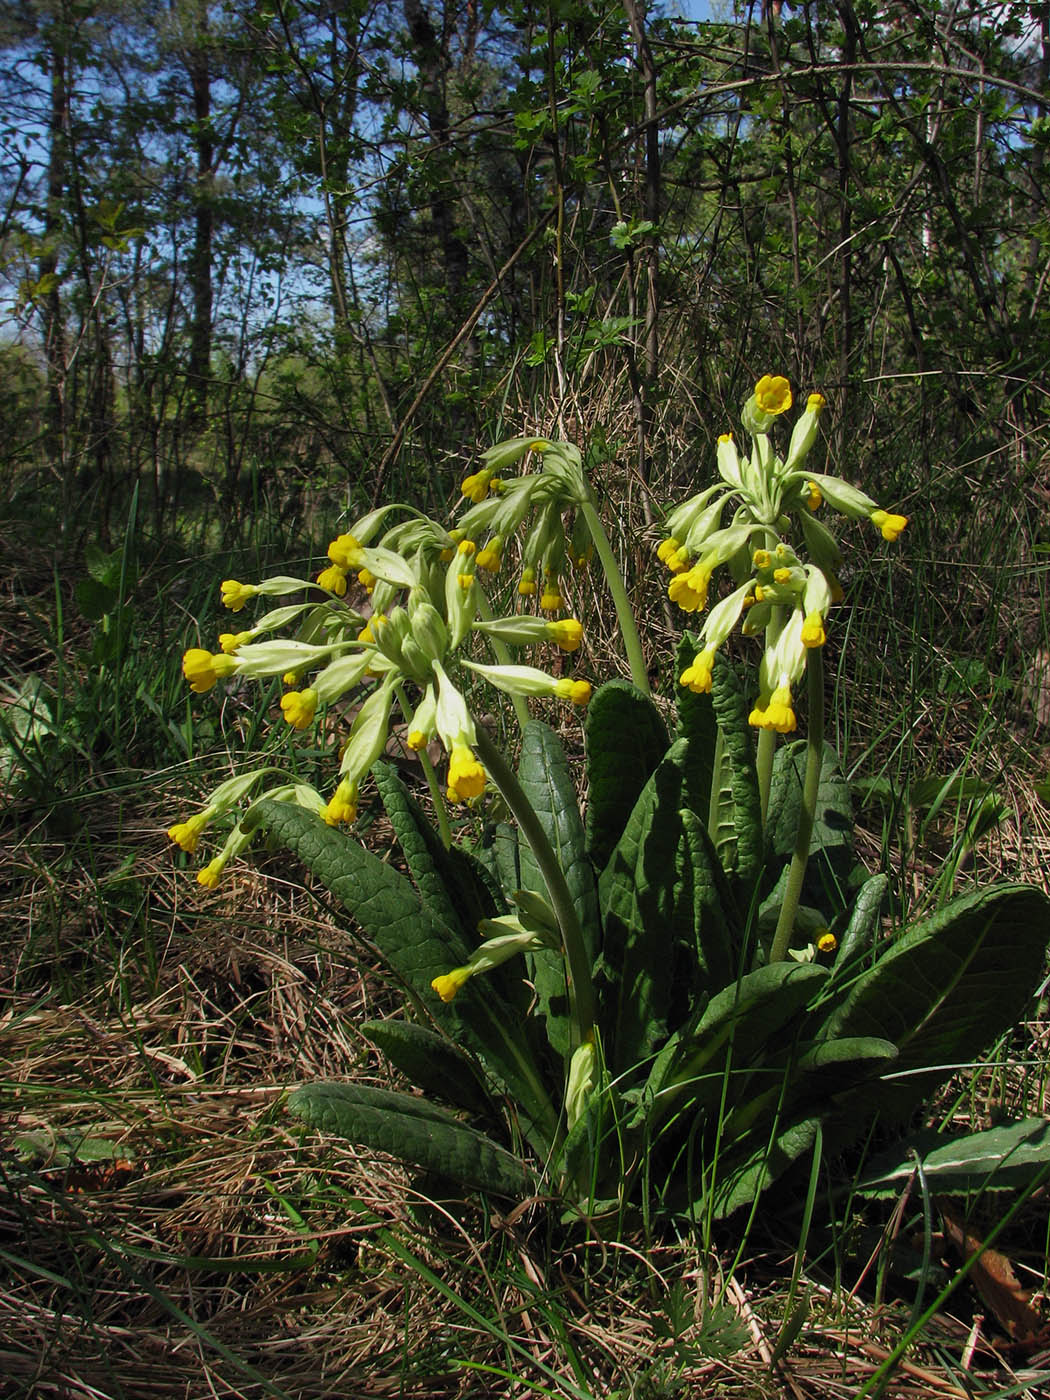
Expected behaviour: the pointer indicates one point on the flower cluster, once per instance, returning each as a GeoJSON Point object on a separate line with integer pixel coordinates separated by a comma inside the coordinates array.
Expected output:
{"type": "Point", "coordinates": [423, 604]}
{"type": "Point", "coordinates": [779, 594]}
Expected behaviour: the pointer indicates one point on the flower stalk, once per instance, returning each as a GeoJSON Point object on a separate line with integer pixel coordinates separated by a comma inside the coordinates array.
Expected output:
{"type": "Point", "coordinates": [617, 591]}
{"type": "Point", "coordinates": [807, 815]}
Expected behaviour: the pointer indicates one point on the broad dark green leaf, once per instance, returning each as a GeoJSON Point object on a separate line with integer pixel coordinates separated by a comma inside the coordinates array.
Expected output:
{"type": "Point", "coordinates": [1011, 1156]}
{"type": "Point", "coordinates": [831, 854]}
{"type": "Point", "coordinates": [547, 781]}
{"type": "Point", "coordinates": [413, 1131]}
{"type": "Point", "coordinates": [737, 832]}
{"type": "Point", "coordinates": [648, 919]}
{"type": "Point", "coordinates": [858, 940]}
{"type": "Point", "coordinates": [697, 723]}
{"type": "Point", "coordinates": [429, 1060]}
{"type": "Point", "coordinates": [418, 946]}
{"type": "Point", "coordinates": [448, 880]}
{"type": "Point", "coordinates": [626, 739]}
{"type": "Point", "coordinates": [946, 989]}
{"type": "Point", "coordinates": [746, 1173]}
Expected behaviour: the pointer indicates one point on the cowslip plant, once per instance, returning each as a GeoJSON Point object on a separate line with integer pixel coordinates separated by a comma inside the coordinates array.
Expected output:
{"type": "Point", "coordinates": [682, 988]}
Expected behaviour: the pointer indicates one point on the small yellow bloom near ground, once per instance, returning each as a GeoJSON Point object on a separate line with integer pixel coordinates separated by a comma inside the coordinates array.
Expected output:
{"type": "Point", "coordinates": [465, 774]}
{"type": "Point", "coordinates": [235, 595]}
{"type": "Point", "coordinates": [566, 633]}
{"type": "Point", "coordinates": [210, 874]}
{"type": "Point", "coordinates": [891, 525]}
{"type": "Point", "coordinates": [187, 834]}
{"type": "Point", "coordinates": [342, 806]}
{"type": "Point", "coordinates": [203, 668]}
{"type": "Point", "coordinates": [813, 634]}
{"type": "Point", "coordinates": [449, 983]}
{"type": "Point", "coordinates": [698, 675]}
{"type": "Point", "coordinates": [826, 941]}
{"type": "Point", "coordinates": [773, 394]}
{"type": "Point", "coordinates": [689, 590]}
{"type": "Point", "coordinates": [299, 708]}
{"type": "Point", "coordinates": [333, 579]}
{"type": "Point", "coordinates": [579, 692]}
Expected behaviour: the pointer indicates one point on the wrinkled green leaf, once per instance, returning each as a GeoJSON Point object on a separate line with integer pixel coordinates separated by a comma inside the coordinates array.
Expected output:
{"type": "Point", "coordinates": [831, 857]}
{"type": "Point", "coordinates": [413, 1131]}
{"type": "Point", "coordinates": [419, 947]}
{"type": "Point", "coordinates": [945, 990]}
{"type": "Point", "coordinates": [547, 781]}
{"type": "Point", "coordinates": [1011, 1156]}
{"type": "Point", "coordinates": [429, 1060]}
{"type": "Point", "coordinates": [737, 830]}
{"type": "Point", "coordinates": [626, 739]}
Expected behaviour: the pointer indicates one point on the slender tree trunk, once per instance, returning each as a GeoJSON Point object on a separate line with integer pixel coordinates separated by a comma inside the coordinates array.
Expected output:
{"type": "Point", "coordinates": [200, 260]}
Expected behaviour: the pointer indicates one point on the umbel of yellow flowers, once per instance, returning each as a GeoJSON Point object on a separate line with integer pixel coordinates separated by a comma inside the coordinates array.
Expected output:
{"type": "Point", "coordinates": [427, 608]}
{"type": "Point", "coordinates": [747, 520]}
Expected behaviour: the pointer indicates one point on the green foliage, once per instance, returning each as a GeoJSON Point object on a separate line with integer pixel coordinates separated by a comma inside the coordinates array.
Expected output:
{"type": "Point", "coordinates": [719, 1072]}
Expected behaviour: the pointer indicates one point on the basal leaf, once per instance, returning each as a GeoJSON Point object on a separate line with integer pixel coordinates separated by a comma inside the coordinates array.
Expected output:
{"type": "Point", "coordinates": [1010, 1156]}
{"type": "Point", "coordinates": [545, 776]}
{"type": "Point", "coordinates": [448, 880]}
{"type": "Point", "coordinates": [626, 739]}
{"type": "Point", "coordinates": [744, 1174]}
{"type": "Point", "coordinates": [418, 947]}
{"type": "Point", "coordinates": [858, 940]}
{"type": "Point", "coordinates": [737, 832]}
{"type": "Point", "coordinates": [946, 989]}
{"type": "Point", "coordinates": [412, 1130]}
{"type": "Point", "coordinates": [831, 856]}
{"type": "Point", "coordinates": [429, 1061]}
{"type": "Point", "coordinates": [698, 724]}
{"type": "Point", "coordinates": [648, 913]}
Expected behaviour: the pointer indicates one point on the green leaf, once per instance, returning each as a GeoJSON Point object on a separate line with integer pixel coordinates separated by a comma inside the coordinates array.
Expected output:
{"type": "Point", "coordinates": [737, 830]}
{"type": "Point", "coordinates": [739, 1029]}
{"type": "Point", "coordinates": [831, 855]}
{"type": "Point", "coordinates": [412, 1130]}
{"type": "Point", "coordinates": [449, 881]}
{"type": "Point", "coordinates": [739, 1181]}
{"type": "Point", "coordinates": [430, 1061]}
{"type": "Point", "coordinates": [626, 739]}
{"type": "Point", "coordinates": [945, 990]}
{"type": "Point", "coordinates": [1011, 1156]}
{"type": "Point", "coordinates": [547, 781]}
{"type": "Point", "coordinates": [419, 947]}
{"type": "Point", "coordinates": [859, 937]}
{"type": "Point", "coordinates": [698, 724]}
{"type": "Point", "coordinates": [648, 916]}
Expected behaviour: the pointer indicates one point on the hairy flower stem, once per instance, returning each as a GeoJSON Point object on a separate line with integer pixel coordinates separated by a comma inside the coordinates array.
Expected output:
{"type": "Point", "coordinates": [436, 795]}
{"type": "Point", "coordinates": [577, 964]}
{"type": "Point", "coordinates": [614, 579]}
{"type": "Point", "coordinates": [807, 816]}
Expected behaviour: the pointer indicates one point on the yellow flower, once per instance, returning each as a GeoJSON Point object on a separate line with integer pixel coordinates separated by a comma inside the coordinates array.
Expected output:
{"type": "Point", "coordinates": [449, 983]}
{"type": "Point", "coordinates": [551, 599]}
{"type": "Point", "coordinates": [230, 641]}
{"type": "Point", "coordinates": [343, 805]}
{"type": "Point", "coordinates": [579, 692]}
{"type": "Point", "coordinates": [689, 590]}
{"type": "Point", "coordinates": [345, 552]}
{"type": "Point", "coordinates": [209, 876]}
{"type": "Point", "coordinates": [466, 548]}
{"type": "Point", "coordinates": [333, 579]}
{"type": "Point", "coordinates": [762, 560]}
{"type": "Point", "coordinates": [465, 773]}
{"type": "Point", "coordinates": [666, 548]}
{"type": "Point", "coordinates": [203, 668]}
{"type": "Point", "coordinates": [815, 402]}
{"type": "Point", "coordinates": [299, 708]}
{"type": "Point", "coordinates": [813, 634]}
{"type": "Point", "coordinates": [812, 496]}
{"type": "Point", "coordinates": [776, 713]}
{"type": "Point", "coordinates": [416, 740]}
{"type": "Point", "coordinates": [366, 579]}
{"type": "Point", "coordinates": [235, 595]}
{"type": "Point", "coordinates": [527, 586]}
{"type": "Point", "coordinates": [491, 556]}
{"type": "Point", "coordinates": [890, 525]}
{"type": "Point", "coordinates": [476, 487]}
{"type": "Point", "coordinates": [826, 941]}
{"type": "Point", "coordinates": [698, 675]}
{"type": "Point", "coordinates": [567, 633]}
{"type": "Point", "coordinates": [186, 834]}
{"type": "Point", "coordinates": [773, 394]}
